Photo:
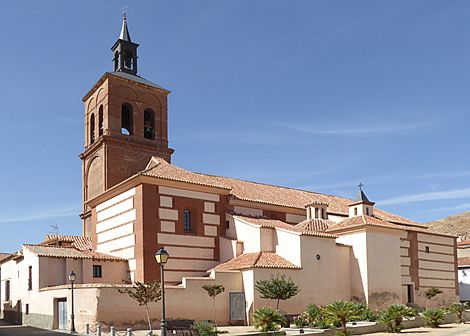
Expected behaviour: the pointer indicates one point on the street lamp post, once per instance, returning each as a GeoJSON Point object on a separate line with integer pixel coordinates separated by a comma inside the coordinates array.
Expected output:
{"type": "Point", "coordinates": [161, 256]}
{"type": "Point", "coordinates": [72, 277]}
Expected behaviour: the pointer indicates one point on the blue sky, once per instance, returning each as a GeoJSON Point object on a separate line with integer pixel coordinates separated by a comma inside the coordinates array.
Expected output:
{"type": "Point", "coordinates": [318, 95]}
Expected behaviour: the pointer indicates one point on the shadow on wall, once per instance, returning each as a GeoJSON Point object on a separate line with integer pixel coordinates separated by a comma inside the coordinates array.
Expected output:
{"type": "Point", "coordinates": [13, 313]}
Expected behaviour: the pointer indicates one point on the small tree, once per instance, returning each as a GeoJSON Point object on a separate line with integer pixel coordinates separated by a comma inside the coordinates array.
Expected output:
{"type": "Point", "coordinates": [267, 319]}
{"type": "Point", "coordinates": [277, 288]}
{"type": "Point", "coordinates": [213, 291]}
{"type": "Point", "coordinates": [458, 308]}
{"type": "Point", "coordinates": [430, 293]}
{"type": "Point", "coordinates": [144, 293]}
{"type": "Point", "coordinates": [342, 311]}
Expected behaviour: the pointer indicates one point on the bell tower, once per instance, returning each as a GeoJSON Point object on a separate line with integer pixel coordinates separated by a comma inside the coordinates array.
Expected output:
{"type": "Point", "coordinates": [125, 124]}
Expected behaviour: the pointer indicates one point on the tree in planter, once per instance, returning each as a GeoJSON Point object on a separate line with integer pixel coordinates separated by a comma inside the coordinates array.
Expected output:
{"type": "Point", "coordinates": [277, 288]}
{"type": "Point", "coordinates": [393, 316]}
{"type": "Point", "coordinates": [144, 293]}
{"type": "Point", "coordinates": [342, 311]}
{"type": "Point", "coordinates": [458, 308]}
{"type": "Point", "coordinates": [430, 293]}
{"type": "Point", "coordinates": [213, 291]}
{"type": "Point", "coordinates": [268, 319]}
{"type": "Point", "coordinates": [433, 317]}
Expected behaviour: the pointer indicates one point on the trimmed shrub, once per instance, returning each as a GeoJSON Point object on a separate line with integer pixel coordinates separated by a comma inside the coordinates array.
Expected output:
{"type": "Point", "coordinates": [458, 308]}
{"type": "Point", "coordinates": [393, 316]}
{"type": "Point", "coordinates": [205, 328]}
{"type": "Point", "coordinates": [268, 319]}
{"type": "Point", "coordinates": [433, 317]}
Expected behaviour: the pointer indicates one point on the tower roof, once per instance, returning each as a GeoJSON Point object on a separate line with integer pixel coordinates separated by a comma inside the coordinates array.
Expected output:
{"type": "Point", "coordinates": [361, 196]}
{"type": "Point", "coordinates": [125, 36]}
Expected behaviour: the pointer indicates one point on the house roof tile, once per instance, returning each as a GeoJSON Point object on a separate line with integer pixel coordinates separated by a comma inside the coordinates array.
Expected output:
{"type": "Point", "coordinates": [256, 260]}
{"type": "Point", "coordinates": [262, 193]}
{"type": "Point", "coordinates": [68, 252]}
{"type": "Point", "coordinates": [79, 242]}
{"type": "Point", "coordinates": [358, 221]}
{"type": "Point", "coordinates": [304, 228]}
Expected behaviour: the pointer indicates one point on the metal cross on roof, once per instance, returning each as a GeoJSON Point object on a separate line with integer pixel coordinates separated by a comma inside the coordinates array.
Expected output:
{"type": "Point", "coordinates": [360, 186]}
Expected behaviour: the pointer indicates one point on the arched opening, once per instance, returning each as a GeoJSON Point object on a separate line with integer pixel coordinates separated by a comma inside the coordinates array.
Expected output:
{"type": "Point", "coordinates": [92, 128]}
{"type": "Point", "coordinates": [126, 119]}
{"type": "Point", "coordinates": [128, 59]}
{"type": "Point", "coordinates": [100, 121]}
{"type": "Point", "coordinates": [116, 61]}
{"type": "Point", "coordinates": [149, 124]}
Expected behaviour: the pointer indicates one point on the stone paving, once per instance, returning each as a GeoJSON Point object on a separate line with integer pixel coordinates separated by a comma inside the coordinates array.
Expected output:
{"type": "Point", "coordinates": [445, 330]}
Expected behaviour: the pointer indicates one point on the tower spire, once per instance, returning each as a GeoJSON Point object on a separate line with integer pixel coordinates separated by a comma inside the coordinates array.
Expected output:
{"type": "Point", "coordinates": [125, 36]}
{"type": "Point", "coordinates": [125, 51]}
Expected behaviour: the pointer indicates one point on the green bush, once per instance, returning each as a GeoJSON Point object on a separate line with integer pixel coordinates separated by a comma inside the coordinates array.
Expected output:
{"type": "Point", "coordinates": [458, 308]}
{"type": "Point", "coordinates": [393, 316]}
{"type": "Point", "coordinates": [268, 319]}
{"type": "Point", "coordinates": [339, 312]}
{"type": "Point", "coordinates": [366, 315]}
{"type": "Point", "coordinates": [205, 328]}
{"type": "Point", "coordinates": [433, 317]}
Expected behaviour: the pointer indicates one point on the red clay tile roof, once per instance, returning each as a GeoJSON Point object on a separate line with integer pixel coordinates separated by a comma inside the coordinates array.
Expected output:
{"type": "Point", "coordinates": [463, 243]}
{"type": "Point", "coordinates": [261, 193]}
{"type": "Point", "coordinates": [4, 256]}
{"type": "Point", "coordinates": [463, 261]}
{"type": "Point", "coordinates": [302, 228]}
{"type": "Point", "coordinates": [358, 221]}
{"type": "Point", "coordinates": [314, 225]}
{"type": "Point", "coordinates": [79, 242]}
{"type": "Point", "coordinates": [256, 260]}
{"type": "Point", "coordinates": [68, 252]}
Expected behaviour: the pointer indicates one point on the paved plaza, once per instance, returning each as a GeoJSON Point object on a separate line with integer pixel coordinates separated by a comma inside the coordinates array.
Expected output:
{"type": "Point", "coordinates": [7, 329]}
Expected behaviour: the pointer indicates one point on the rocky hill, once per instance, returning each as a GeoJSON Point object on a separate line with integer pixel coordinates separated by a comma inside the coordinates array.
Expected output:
{"type": "Point", "coordinates": [458, 225]}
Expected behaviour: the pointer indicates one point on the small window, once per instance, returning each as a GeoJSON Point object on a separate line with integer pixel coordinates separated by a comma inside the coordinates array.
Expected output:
{"type": "Point", "coordinates": [355, 211]}
{"type": "Point", "coordinates": [30, 278]}
{"type": "Point", "coordinates": [187, 220]}
{"type": "Point", "coordinates": [92, 128]}
{"type": "Point", "coordinates": [26, 309]}
{"type": "Point", "coordinates": [323, 211]}
{"type": "Point", "coordinates": [97, 271]}
{"type": "Point", "coordinates": [227, 224]}
{"type": "Point", "coordinates": [367, 211]}
{"type": "Point", "coordinates": [100, 121]}
{"type": "Point", "coordinates": [316, 212]}
{"type": "Point", "coordinates": [7, 290]}
{"type": "Point", "coordinates": [426, 248]}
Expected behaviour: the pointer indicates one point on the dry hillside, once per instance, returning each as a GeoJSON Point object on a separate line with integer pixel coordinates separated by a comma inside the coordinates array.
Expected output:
{"type": "Point", "coordinates": [458, 225]}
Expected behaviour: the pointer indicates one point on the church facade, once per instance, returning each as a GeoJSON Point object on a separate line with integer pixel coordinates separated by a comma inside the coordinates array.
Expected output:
{"type": "Point", "coordinates": [226, 230]}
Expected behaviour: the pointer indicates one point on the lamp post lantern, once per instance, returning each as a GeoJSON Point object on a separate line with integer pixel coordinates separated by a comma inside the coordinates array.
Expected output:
{"type": "Point", "coordinates": [161, 256]}
{"type": "Point", "coordinates": [72, 278]}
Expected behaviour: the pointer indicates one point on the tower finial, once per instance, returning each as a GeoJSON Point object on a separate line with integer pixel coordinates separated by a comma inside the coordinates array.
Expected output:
{"type": "Point", "coordinates": [124, 10]}
{"type": "Point", "coordinates": [360, 186]}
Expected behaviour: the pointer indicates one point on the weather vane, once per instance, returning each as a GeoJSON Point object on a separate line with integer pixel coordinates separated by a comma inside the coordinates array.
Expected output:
{"type": "Point", "coordinates": [124, 10]}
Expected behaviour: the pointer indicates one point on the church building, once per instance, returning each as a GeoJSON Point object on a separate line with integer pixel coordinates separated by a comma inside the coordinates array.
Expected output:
{"type": "Point", "coordinates": [216, 229]}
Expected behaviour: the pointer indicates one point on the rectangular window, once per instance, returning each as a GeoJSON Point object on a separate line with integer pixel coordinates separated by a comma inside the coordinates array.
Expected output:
{"type": "Point", "coordinates": [316, 212]}
{"type": "Point", "coordinates": [187, 220]}
{"type": "Point", "coordinates": [426, 249]}
{"type": "Point", "coordinates": [30, 277]}
{"type": "Point", "coordinates": [7, 290]}
{"type": "Point", "coordinates": [409, 290]}
{"type": "Point", "coordinates": [97, 271]}
{"type": "Point", "coordinates": [27, 309]}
